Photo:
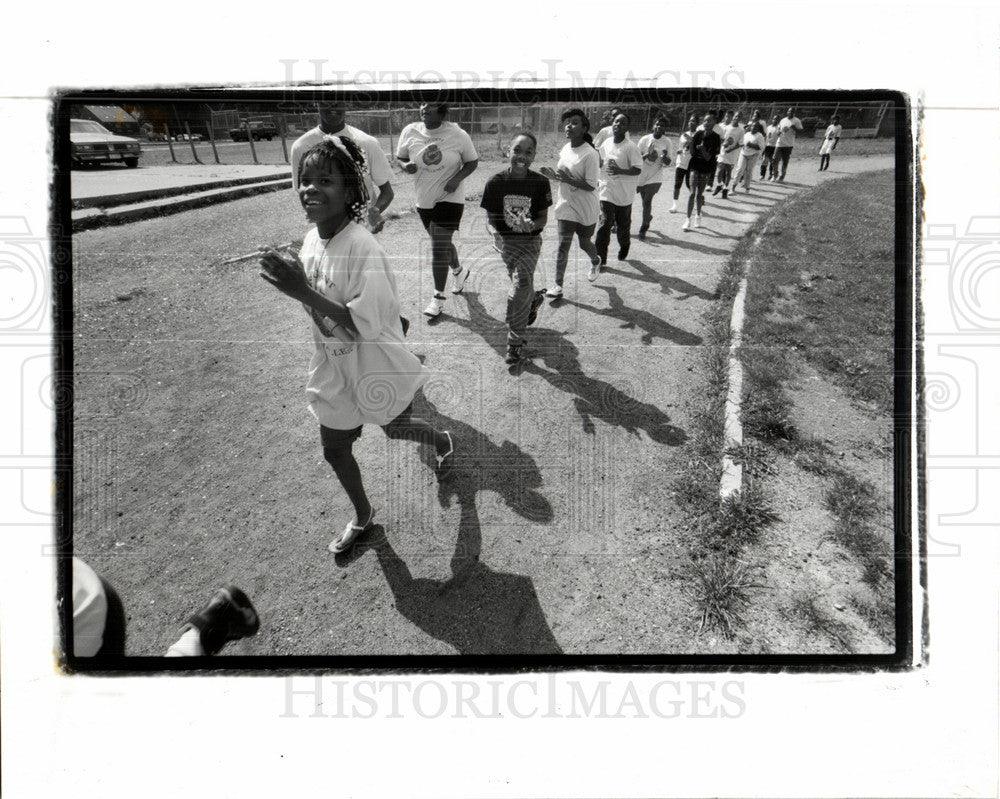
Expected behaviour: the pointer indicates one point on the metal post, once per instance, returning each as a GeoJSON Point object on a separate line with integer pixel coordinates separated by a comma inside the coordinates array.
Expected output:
{"type": "Point", "coordinates": [284, 145]}
{"type": "Point", "coordinates": [211, 138]}
{"type": "Point", "coordinates": [253, 150]}
{"type": "Point", "coordinates": [392, 147]}
{"type": "Point", "coordinates": [878, 125]}
{"type": "Point", "coordinates": [170, 143]}
{"type": "Point", "coordinates": [194, 152]}
{"type": "Point", "coordinates": [499, 130]}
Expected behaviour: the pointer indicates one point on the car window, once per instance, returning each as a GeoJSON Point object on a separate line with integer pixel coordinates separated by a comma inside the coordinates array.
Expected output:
{"type": "Point", "coordinates": [86, 126]}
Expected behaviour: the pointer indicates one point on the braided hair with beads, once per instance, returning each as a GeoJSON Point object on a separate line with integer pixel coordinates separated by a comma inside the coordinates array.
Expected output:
{"type": "Point", "coordinates": [350, 164]}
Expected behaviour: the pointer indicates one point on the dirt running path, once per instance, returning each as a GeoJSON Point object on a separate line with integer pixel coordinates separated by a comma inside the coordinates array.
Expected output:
{"type": "Point", "coordinates": [199, 463]}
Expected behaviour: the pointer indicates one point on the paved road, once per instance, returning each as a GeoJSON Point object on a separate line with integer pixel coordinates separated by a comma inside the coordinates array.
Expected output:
{"type": "Point", "coordinates": [559, 532]}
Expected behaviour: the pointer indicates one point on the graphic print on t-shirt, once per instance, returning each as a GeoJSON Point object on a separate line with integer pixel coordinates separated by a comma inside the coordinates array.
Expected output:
{"type": "Point", "coordinates": [431, 155]}
{"type": "Point", "coordinates": [515, 206]}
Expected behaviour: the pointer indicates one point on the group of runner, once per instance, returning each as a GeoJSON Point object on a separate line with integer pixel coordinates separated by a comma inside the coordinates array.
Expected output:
{"type": "Point", "coordinates": [361, 371]}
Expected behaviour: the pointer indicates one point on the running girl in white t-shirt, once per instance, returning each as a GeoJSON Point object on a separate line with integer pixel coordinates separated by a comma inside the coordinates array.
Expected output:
{"type": "Point", "coordinates": [753, 145]}
{"type": "Point", "coordinates": [683, 159]}
{"type": "Point", "coordinates": [770, 142]}
{"type": "Point", "coordinates": [657, 152]}
{"type": "Point", "coordinates": [441, 155]}
{"type": "Point", "coordinates": [361, 371]}
{"type": "Point", "coordinates": [577, 208]}
{"type": "Point", "coordinates": [830, 139]}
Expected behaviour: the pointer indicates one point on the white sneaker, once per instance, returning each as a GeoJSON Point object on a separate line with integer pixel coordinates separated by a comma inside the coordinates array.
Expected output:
{"type": "Point", "coordinates": [687, 225]}
{"type": "Point", "coordinates": [435, 307]}
{"type": "Point", "coordinates": [595, 270]}
{"type": "Point", "coordinates": [673, 208]}
{"type": "Point", "coordinates": [554, 293]}
{"type": "Point", "coordinates": [697, 220]}
{"type": "Point", "coordinates": [460, 278]}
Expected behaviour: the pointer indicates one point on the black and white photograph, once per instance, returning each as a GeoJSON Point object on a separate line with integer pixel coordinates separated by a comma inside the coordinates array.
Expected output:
{"type": "Point", "coordinates": [464, 400]}
{"type": "Point", "coordinates": [635, 358]}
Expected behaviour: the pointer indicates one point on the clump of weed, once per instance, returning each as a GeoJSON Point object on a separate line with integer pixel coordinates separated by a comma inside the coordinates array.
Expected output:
{"type": "Point", "coordinates": [722, 585]}
{"type": "Point", "coordinates": [741, 517]}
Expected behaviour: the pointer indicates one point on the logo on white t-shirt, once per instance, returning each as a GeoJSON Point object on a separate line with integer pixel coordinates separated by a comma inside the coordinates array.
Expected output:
{"type": "Point", "coordinates": [431, 155]}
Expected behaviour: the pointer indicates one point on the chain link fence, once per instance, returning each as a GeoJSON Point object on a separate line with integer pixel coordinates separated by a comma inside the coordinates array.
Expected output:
{"type": "Point", "coordinates": [255, 134]}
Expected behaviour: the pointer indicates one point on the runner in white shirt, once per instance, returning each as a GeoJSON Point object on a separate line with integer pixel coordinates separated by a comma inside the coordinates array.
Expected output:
{"type": "Point", "coordinates": [577, 208]}
{"type": "Point", "coordinates": [621, 165]}
{"type": "Point", "coordinates": [332, 122]}
{"type": "Point", "coordinates": [753, 145]}
{"type": "Point", "coordinates": [786, 141]}
{"type": "Point", "coordinates": [605, 132]}
{"type": "Point", "coordinates": [683, 159]}
{"type": "Point", "coordinates": [770, 142]}
{"type": "Point", "coordinates": [441, 155]}
{"type": "Point", "coordinates": [657, 152]}
{"type": "Point", "coordinates": [732, 141]}
{"type": "Point", "coordinates": [830, 139]}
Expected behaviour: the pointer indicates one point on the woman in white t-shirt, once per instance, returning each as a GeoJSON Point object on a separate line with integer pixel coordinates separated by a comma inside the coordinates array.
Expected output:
{"type": "Point", "coordinates": [657, 152]}
{"type": "Point", "coordinates": [441, 155]}
{"type": "Point", "coordinates": [683, 159]}
{"type": "Point", "coordinates": [830, 140]}
{"type": "Point", "coordinates": [753, 145]}
{"type": "Point", "coordinates": [771, 134]}
{"type": "Point", "coordinates": [577, 208]}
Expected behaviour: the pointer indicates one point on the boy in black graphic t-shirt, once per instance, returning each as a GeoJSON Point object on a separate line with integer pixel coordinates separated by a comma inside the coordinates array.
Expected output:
{"type": "Point", "coordinates": [516, 201]}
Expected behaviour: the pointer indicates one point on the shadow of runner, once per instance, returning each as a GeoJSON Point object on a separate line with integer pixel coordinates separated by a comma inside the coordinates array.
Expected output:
{"type": "Point", "coordinates": [634, 318]}
{"type": "Point", "coordinates": [668, 283]}
{"type": "Point", "coordinates": [683, 243]}
{"type": "Point", "coordinates": [477, 610]}
{"type": "Point", "coordinates": [592, 398]}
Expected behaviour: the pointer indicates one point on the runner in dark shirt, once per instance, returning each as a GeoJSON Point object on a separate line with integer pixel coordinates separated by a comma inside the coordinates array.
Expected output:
{"type": "Point", "coordinates": [516, 202]}
{"type": "Point", "coordinates": [705, 148]}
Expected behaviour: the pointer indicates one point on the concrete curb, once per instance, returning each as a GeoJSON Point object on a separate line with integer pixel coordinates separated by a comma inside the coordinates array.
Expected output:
{"type": "Point", "coordinates": [732, 472]}
{"type": "Point", "coordinates": [110, 200]}
{"type": "Point", "coordinates": [87, 218]}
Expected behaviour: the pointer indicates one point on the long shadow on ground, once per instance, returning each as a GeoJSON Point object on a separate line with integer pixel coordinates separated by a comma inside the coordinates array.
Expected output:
{"type": "Point", "coordinates": [592, 398]}
{"type": "Point", "coordinates": [477, 610]}
{"type": "Point", "coordinates": [685, 243]}
{"type": "Point", "coordinates": [668, 283]}
{"type": "Point", "coordinates": [633, 318]}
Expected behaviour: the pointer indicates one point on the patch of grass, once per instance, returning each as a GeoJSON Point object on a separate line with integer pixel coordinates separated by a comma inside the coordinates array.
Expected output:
{"type": "Point", "coordinates": [854, 501]}
{"type": "Point", "coordinates": [756, 459]}
{"type": "Point", "coordinates": [813, 455]}
{"type": "Point", "coordinates": [829, 298]}
{"type": "Point", "coordinates": [722, 585]}
{"type": "Point", "coordinates": [880, 616]}
{"type": "Point", "coordinates": [817, 620]}
{"type": "Point", "coordinates": [855, 505]}
{"type": "Point", "coordinates": [741, 518]}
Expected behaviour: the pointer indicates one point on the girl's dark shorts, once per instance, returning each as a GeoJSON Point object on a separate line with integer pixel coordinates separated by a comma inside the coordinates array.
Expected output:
{"type": "Point", "coordinates": [446, 215]}
{"type": "Point", "coordinates": [344, 439]}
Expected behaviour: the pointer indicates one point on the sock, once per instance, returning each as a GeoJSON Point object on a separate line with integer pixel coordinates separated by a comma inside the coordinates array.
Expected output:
{"type": "Point", "coordinates": [188, 645]}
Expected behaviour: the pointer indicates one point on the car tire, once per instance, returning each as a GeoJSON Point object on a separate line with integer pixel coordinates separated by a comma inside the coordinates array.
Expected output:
{"type": "Point", "coordinates": [131, 163]}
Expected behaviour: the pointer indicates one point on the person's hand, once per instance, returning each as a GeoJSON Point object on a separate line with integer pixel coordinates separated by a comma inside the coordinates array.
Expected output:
{"type": "Point", "coordinates": [375, 219]}
{"type": "Point", "coordinates": [452, 186]}
{"type": "Point", "coordinates": [285, 272]}
{"type": "Point", "coordinates": [522, 222]}
{"type": "Point", "coordinates": [651, 156]}
{"type": "Point", "coordinates": [409, 167]}
{"type": "Point", "coordinates": [564, 175]}
{"type": "Point", "coordinates": [549, 173]}
{"type": "Point", "coordinates": [498, 243]}
{"type": "Point", "coordinates": [665, 157]}
{"type": "Point", "coordinates": [613, 168]}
